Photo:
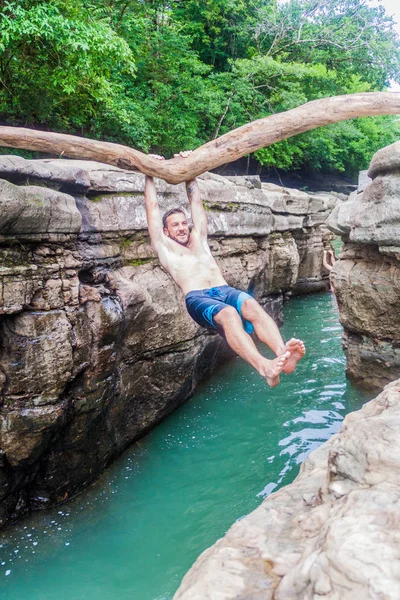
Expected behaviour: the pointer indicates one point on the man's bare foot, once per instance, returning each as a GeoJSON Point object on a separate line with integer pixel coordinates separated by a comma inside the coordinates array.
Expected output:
{"type": "Point", "coordinates": [271, 369]}
{"type": "Point", "coordinates": [297, 350]}
{"type": "Point", "coordinates": [157, 156]}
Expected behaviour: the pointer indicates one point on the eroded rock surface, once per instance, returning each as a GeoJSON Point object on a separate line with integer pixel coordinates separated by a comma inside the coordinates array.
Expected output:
{"type": "Point", "coordinates": [367, 276]}
{"type": "Point", "coordinates": [333, 533]}
{"type": "Point", "coordinates": [96, 346]}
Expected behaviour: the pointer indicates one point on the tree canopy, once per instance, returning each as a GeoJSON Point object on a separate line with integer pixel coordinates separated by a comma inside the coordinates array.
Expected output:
{"type": "Point", "coordinates": [163, 75]}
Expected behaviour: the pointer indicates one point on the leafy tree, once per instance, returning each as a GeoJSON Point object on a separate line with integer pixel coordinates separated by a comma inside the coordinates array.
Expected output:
{"type": "Point", "coordinates": [221, 30]}
{"type": "Point", "coordinates": [59, 67]}
{"type": "Point", "coordinates": [347, 36]}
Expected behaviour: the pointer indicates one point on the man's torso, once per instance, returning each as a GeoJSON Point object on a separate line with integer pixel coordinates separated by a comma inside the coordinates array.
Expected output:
{"type": "Point", "coordinates": [192, 267]}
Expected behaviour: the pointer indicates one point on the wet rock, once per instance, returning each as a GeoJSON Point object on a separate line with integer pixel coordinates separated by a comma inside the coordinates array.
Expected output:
{"type": "Point", "coordinates": [36, 356]}
{"type": "Point", "coordinates": [332, 533]}
{"type": "Point", "coordinates": [371, 362]}
{"type": "Point", "coordinates": [25, 433]}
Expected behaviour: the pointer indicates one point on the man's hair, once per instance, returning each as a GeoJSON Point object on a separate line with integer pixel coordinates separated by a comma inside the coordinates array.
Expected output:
{"type": "Point", "coordinates": [171, 212]}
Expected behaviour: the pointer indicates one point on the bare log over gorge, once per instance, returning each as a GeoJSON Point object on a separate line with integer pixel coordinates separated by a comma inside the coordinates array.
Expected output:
{"type": "Point", "coordinates": [225, 149]}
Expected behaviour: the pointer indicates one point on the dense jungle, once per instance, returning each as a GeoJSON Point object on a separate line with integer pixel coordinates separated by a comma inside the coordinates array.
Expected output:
{"type": "Point", "coordinates": [162, 75]}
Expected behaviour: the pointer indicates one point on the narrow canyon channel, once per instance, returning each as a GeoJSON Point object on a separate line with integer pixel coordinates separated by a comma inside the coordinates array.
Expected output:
{"type": "Point", "coordinates": [134, 534]}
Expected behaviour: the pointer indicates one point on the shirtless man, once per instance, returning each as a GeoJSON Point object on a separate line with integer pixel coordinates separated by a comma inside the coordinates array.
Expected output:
{"type": "Point", "coordinates": [210, 301]}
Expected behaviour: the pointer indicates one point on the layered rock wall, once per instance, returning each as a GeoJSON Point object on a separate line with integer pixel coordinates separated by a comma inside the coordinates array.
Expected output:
{"type": "Point", "coordinates": [366, 279]}
{"type": "Point", "coordinates": [95, 343]}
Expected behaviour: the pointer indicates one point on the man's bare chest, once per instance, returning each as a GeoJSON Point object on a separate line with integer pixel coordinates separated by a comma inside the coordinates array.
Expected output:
{"type": "Point", "coordinates": [190, 258]}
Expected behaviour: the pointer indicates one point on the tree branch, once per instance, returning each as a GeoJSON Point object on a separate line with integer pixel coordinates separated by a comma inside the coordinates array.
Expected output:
{"type": "Point", "coordinates": [227, 148]}
{"type": "Point", "coordinates": [216, 132]}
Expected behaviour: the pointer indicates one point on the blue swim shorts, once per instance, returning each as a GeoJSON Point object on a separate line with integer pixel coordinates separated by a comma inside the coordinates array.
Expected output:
{"type": "Point", "coordinates": [203, 305]}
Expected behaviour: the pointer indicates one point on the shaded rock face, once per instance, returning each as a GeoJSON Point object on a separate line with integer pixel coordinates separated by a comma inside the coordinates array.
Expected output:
{"type": "Point", "coordinates": [95, 345]}
{"type": "Point", "coordinates": [367, 276]}
{"type": "Point", "coordinates": [332, 533]}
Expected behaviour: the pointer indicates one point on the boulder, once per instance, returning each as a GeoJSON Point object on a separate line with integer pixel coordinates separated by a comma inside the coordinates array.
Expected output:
{"type": "Point", "coordinates": [375, 216]}
{"type": "Point", "coordinates": [367, 276]}
{"type": "Point", "coordinates": [386, 160]}
{"type": "Point", "coordinates": [339, 220]}
{"type": "Point", "coordinates": [332, 533]}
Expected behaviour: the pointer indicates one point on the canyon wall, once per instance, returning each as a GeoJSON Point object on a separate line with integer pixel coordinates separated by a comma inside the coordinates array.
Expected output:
{"type": "Point", "coordinates": [95, 345]}
{"type": "Point", "coordinates": [366, 278]}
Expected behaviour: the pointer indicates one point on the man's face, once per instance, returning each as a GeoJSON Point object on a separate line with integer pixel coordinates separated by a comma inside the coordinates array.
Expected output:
{"type": "Point", "coordinates": [178, 229]}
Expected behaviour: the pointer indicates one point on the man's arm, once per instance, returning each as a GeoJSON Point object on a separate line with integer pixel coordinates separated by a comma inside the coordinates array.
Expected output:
{"type": "Point", "coordinates": [153, 214]}
{"type": "Point", "coordinates": [199, 216]}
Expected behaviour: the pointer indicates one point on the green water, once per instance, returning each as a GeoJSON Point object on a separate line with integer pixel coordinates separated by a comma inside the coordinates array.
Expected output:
{"type": "Point", "coordinates": [136, 532]}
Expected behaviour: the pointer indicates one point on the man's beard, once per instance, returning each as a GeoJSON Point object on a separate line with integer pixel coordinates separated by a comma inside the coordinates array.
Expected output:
{"type": "Point", "coordinates": [181, 241]}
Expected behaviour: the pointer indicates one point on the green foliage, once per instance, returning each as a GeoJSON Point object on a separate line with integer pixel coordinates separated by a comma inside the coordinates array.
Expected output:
{"type": "Point", "coordinates": [221, 30]}
{"type": "Point", "coordinates": [347, 36]}
{"type": "Point", "coordinates": [341, 147]}
{"type": "Point", "coordinates": [59, 67]}
{"type": "Point", "coordinates": [166, 75]}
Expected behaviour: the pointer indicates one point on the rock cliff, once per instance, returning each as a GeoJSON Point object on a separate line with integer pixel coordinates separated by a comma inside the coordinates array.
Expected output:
{"type": "Point", "coordinates": [367, 276]}
{"type": "Point", "coordinates": [332, 533]}
{"type": "Point", "coordinates": [95, 344]}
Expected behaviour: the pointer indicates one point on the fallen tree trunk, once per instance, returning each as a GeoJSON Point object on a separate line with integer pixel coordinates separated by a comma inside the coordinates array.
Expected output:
{"type": "Point", "coordinates": [225, 149]}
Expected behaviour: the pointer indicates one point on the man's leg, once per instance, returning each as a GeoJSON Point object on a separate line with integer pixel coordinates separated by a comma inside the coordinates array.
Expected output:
{"type": "Point", "coordinates": [267, 331]}
{"type": "Point", "coordinates": [228, 318]}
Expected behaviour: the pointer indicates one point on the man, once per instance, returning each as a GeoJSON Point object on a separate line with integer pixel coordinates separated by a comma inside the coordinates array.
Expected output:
{"type": "Point", "coordinates": [328, 260]}
{"type": "Point", "coordinates": [186, 256]}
